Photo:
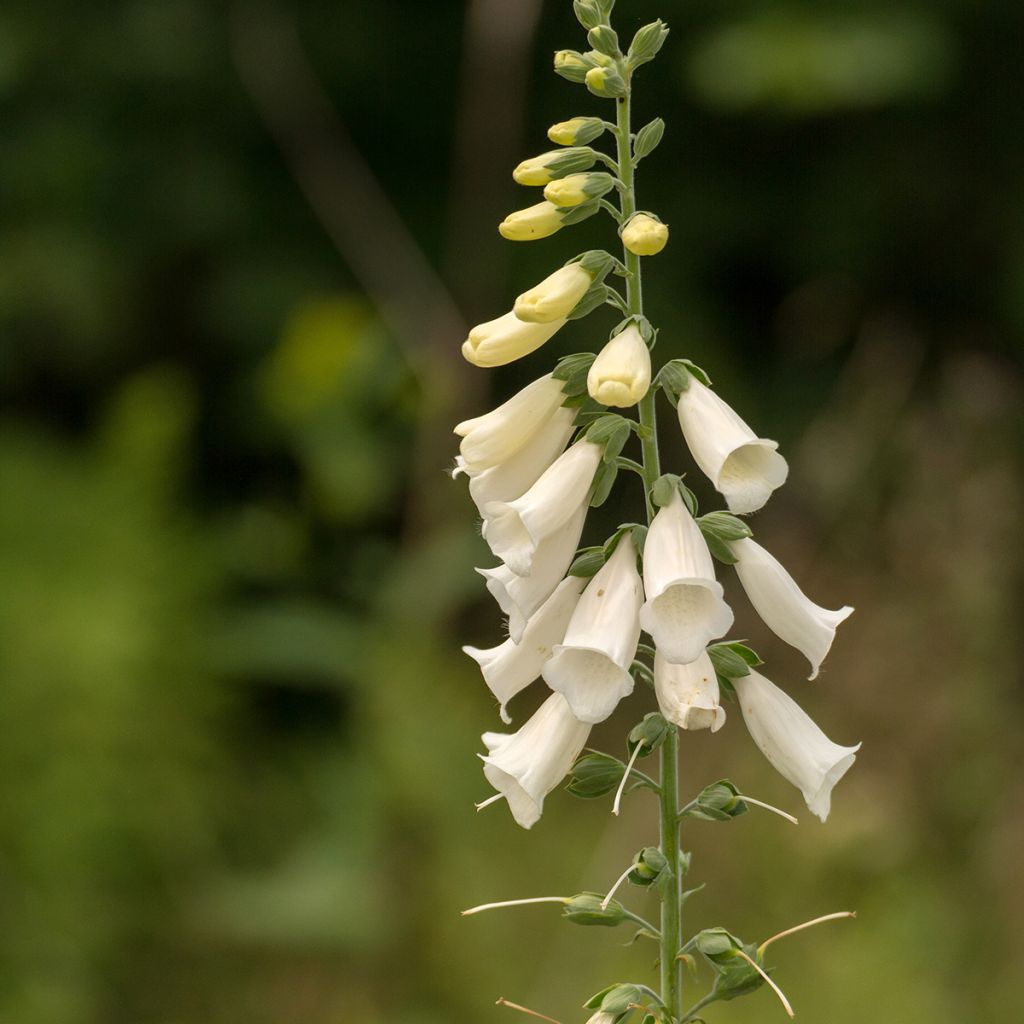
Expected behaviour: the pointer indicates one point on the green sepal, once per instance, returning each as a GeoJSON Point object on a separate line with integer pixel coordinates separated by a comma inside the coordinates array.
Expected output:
{"type": "Point", "coordinates": [648, 734]}
{"type": "Point", "coordinates": [595, 296]}
{"type": "Point", "coordinates": [724, 525]}
{"type": "Point", "coordinates": [617, 999]}
{"type": "Point", "coordinates": [612, 431]}
{"type": "Point", "coordinates": [604, 39]}
{"type": "Point", "coordinates": [586, 909]}
{"type": "Point", "coordinates": [647, 138]}
{"type": "Point", "coordinates": [689, 499]}
{"type": "Point", "coordinates": [674, 378]}
{"type": "Point", "coordinates": [604, 481]}
{"type": "Point", "coordinates": [720, 550]}
{"type": "Point", "coordinates": [664, 488]}
{"type": "Point", "coordinates": [587, 563]}
{"type": "Point", "coordinates": [650, 866]}
{"type": "Point", "coordinates": [573, 65]}
{"type": "Point", "coordinates": [575, 214]}
{"type": "Point", "coordinates": [646, 43]}
{"type": "Point", "coordinates": [718, 802]}
{"type": "Point", "coordinates": [733, 660]}
{"type": "Point", "coordinates": [596, 262]}
{"type": "Point", "coordinates": [595, 775]}
{"type": "Point", "coordinates": [573, 370]}
{"type": "Point", "coordinates": [735, 977]}
{"type": "Point", "coordinates": [572, 160]}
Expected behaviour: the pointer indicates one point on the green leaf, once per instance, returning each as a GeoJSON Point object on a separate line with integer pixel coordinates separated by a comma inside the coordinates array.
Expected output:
{"type": "Point", "coordinates": [647, 138]}
{"type": "Point", "coordinates": [595, 775]}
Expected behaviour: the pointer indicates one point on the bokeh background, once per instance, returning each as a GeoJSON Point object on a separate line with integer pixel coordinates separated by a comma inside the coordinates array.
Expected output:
{"type": "Point", "coordinates": [239, 248]}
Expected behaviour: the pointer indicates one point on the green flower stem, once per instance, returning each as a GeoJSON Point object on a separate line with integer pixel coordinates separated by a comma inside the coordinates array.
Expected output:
{"type": "Point", "coordinates": [671, 895]}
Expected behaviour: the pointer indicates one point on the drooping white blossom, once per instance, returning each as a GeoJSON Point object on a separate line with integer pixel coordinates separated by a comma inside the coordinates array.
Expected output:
{"type": "Point", "coordinates": [621, 374]}
{"type": "Point", "coordinates": [743, 467]}
{"type": "Point", "coordinates": [525, 766]}
{"type": "Point", "coordinates": [510, 667]}
{"type": "Point", "coordinates": [514, 529]}
{"type": "Point", "coordinates": [783, 606]}
{"type": "Point", "coordinates": [555, 297]}
{"type": "Point", "coordinates": [591, 665]}
{"type": "Point", "coordinates": [519, 472]}
{"type": "Point", "coordinates": [496, 436]}
{"type": "Point", "coordinates": [685, 609]}
{"type": "Point", "coordinates": [688, 694]}
{"type": "Point", "coordinates": [798, 750]}
{"type": "Point", "coordinates": [506, 339]}
{"type": "Point", "coordinates": [520, 596]}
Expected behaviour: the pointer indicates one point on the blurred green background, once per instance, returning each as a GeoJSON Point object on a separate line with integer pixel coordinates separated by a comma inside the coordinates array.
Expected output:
{"type": "Point", "coordinates": [239, 247]}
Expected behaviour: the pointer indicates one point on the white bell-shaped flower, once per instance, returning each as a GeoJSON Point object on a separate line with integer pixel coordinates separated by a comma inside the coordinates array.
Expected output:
{"type": "Point", "coordinates": [798, 750]}
{"type": "Point", "coordinates": [685, 609]}
{"type": "Point", "coordinates": [555, 297]}
{"type": "Point", "coordinates": [520, 596]}
{"type": "Point", "coordinates": [688, 694]}
{"type": "Point", "coordinates": [506, 339]}
{"type": "Point", "coordinates": [591, 666]}
{"type": "Point", "coordinates": [743, 467]}
{"type": "Point", "coordinates": [514, 529]}
{"type": "Point", "coordinates": [525, 766]}
{"type": "Point", "coordinates": [495, 437]}
{"type": "Point", "coordinates": [517, 474]}
{"type": "Point", "coordinates": [510, 667]}
{"type": "Point", "coordinates": [785, 609]}
{"type": "Point", "coordinates": [621, 374]}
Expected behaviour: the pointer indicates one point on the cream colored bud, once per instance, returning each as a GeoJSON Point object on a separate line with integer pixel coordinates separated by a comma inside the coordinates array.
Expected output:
{"type": "Point", "coordinates": [534, 222]}
{"type": "Point", "coordinates": [575, 189]}
{"type": "Point", "coordinates": [645, 236]}
{"type": "Point", "coordinates": [621, 373]}
{"type": "Point", "coordinates": [555, 297]}
{"type": "Point", "coordinates": [576, 131]}
{"type": "Point", "coordinates": [501, 341]}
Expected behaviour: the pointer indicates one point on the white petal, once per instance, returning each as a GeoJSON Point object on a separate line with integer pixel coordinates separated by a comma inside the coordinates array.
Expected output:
{"type": "Point", "coordinates": [688, 694]}
{"type": "Point", "coordinates": [798, 750]}
{"type": "Point", "coordinates": [514, 477]}
{"type": "Point", "coordinates": [505, 339]}
{"type": "Point", "coordinates": [490, 439]}
{"type": "Point", "coordinates": [516, 528]}
{"type": "Point", "coordinates": [685, 609]}
{"type": "Point", "coordinates": [510, 667]}
{"type": "Point", "coordinates": [527, 765]}
{"type": "Point", "coordinates": [742, 466]}
{"type": "Point", "coordinates": [520, 596]}
{"type": "Point", "coordinates": [591, 666]}
{"type": "Point", "coordinates": [783, 606]}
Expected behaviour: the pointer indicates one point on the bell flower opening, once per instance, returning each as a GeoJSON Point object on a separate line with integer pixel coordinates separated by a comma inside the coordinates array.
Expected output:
{"type": "Point", "coordinates": [688, 694]}
{"type": "Point", "coordinates": [787, 736]}
{"type": "Point", "coordinates": [511, 667]}
{"type": "Point", "coordinates": [512, 478]}
{"type": "Point", "coordinates": [525, 766]}
{"type": "Point", "coordinates": [555, 297]}
{"type": "Point", "coordinates": [685, 609]}
{"type": "Point", "coordinates": [621, 374]}
{"type": "Point", "coordinates": [785, 609]}
{"type": "Point", "coordinates": [743, 467]}
{"type": "Point", "coordinates": [506, 339]}
{"type": "Point", "coordinates": [496, 436]}
{"type": "Point", "coordinates": [514, 529]}
{"type": "Point", "coordinates": [520, 596]}
{"type": "Point", "coordinates": [591, 667]}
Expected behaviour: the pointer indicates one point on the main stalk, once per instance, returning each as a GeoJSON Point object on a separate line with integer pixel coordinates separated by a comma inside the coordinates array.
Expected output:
{"type": "Point", "coordinates": [671, 922]}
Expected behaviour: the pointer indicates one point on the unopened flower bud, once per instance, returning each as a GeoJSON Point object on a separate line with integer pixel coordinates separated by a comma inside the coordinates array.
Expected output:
{"type": "Point", "coordinates": [621, 373]}
{"type": "Point", "coordinates": [578, 188]}
{"type": "Point", "coordinates": [586, 908]}
{"type": "Point", "coordinates": [587, 13]}
{"type": "Point", "coordinates": [555, 297]}
{"type": "Point", "coordinates": [650, 866]}
{"type": "Point", "coordinates": [572, 65]}
{"type": "Point", "coordinates": [577, 131]}
{"type": "Point", "coordinates": [649, 733]}
{"type": "Point", "coordinates": [645, 236]}
{"type": "Point", "coordinates": [605, 81]}
{"type": "Point", "coordinates": [557, 163]}
{"type": "Point", "coordinates": [505, 339]}
{"type": "Point", "coordinates": [534, 222]}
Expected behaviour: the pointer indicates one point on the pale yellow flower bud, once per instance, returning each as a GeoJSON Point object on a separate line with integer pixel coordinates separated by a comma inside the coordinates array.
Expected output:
{"type": "Point", "coordinates": [568, 191]}
{"type": "Point", "coordinates": [621, 373]}
{"type": "Point", "coordinates": [501, 341]}
{"type": "Point", "coordinates": [645, 236]}
{"type": "Point", "coordinates": [577, 131]}
{"type": "Point", "coordinates": [534, 222]}
{"type": "Point", "coordinates": [555, 297]}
